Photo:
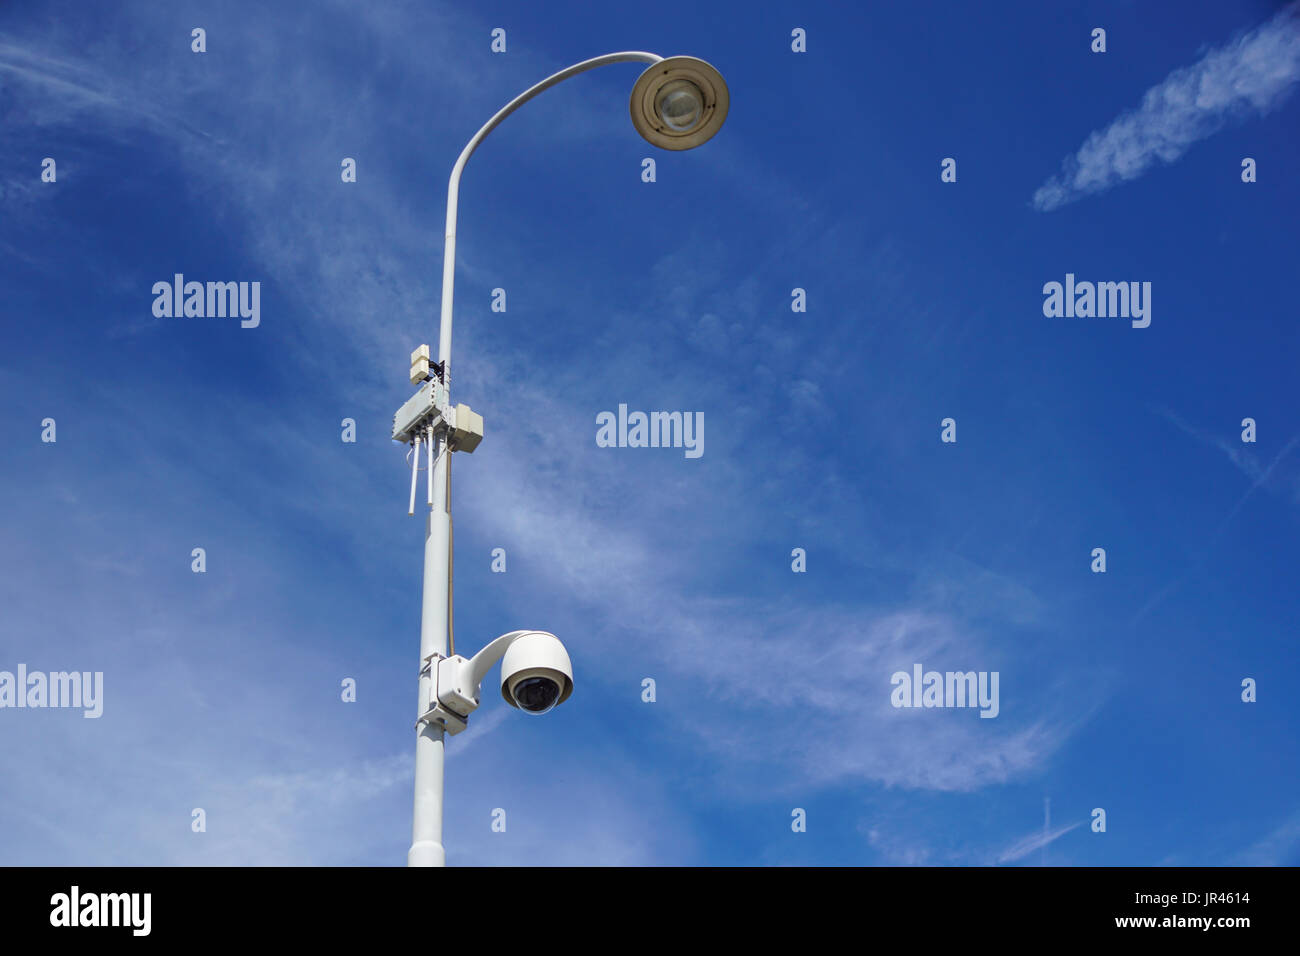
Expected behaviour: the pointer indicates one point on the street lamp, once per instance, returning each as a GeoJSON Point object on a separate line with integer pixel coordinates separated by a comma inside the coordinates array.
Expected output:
{"type": "Point", "coordinates": [677, 103]}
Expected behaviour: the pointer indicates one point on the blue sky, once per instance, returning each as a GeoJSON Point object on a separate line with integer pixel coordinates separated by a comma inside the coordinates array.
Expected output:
{"type": "Point", "coordinates": [1119, 690]}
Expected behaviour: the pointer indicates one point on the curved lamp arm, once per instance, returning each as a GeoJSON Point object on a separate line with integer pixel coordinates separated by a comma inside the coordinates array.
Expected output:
{"type": "Point", "coordinates": [453, 186]}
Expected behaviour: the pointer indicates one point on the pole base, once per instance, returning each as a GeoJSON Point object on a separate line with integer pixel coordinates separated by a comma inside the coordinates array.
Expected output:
{"type": "Point", "coordinates": [426, 854]}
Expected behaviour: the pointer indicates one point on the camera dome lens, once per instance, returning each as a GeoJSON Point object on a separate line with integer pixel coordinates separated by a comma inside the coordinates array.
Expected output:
{"type": "Point", "coordinates": [536, 695]}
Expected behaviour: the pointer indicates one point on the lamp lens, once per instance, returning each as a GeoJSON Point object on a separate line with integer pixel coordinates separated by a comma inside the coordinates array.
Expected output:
{"type": "Point", "coordinates": [680, 106]}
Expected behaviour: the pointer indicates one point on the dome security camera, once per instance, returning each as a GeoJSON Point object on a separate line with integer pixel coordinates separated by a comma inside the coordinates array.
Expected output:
{"type": "Point", "coordinates": [536, 674]}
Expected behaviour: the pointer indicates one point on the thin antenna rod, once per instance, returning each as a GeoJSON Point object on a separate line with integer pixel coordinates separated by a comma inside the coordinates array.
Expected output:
{"type": "Point", "coordinates": [429, 453]}
{"type": "Point", "coordinates": [415, 474]}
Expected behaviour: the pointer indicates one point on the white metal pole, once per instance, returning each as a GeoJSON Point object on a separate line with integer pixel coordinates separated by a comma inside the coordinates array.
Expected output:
{"type": "Point", "coordinates": [426, 832]}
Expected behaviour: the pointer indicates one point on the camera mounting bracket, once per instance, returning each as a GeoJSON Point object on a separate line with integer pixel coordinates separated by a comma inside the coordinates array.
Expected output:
{"type": "Point", "coordinates": [442, 670]}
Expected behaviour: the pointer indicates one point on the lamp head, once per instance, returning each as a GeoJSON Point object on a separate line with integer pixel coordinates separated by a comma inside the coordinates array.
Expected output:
{"type": "Point", "coordinates": [679, 103]}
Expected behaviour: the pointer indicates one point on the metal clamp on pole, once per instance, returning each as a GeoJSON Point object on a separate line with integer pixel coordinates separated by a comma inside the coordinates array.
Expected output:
{"type": "Point", "coordinates": [436, 711]}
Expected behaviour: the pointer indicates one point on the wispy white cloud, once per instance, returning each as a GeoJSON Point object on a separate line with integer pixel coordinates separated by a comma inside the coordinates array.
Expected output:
{"type": "Point", "coordinates": [743, 659]}
{"type": "Point", "coordinates": [1035, 841]}
{"type": "Point", "coordinates": [1249, 76]}
{"type": "Point", "coordinates": [53, 90]}
{"type": "Point", "coordinates": [1268, 476]}
{"type": "Point", "coordinates": [1281, 847]}
{"type": "Point", "coordinates": [898, 849]}
{"type": "Point", "coordinates": [1261, 475]}
{"type": "Point", "coordinates": [368, 279]}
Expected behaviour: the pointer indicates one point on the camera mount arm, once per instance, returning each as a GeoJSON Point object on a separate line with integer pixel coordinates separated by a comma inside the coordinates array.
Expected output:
{"type": "Point", "coordinates": [457, 681]}
{"type": "Point", "coordinates": [478, 666]}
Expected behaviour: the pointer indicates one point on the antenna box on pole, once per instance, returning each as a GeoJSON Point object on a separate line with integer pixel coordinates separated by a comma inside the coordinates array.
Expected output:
{"type": "Point", "coordinates": [422, 409]}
